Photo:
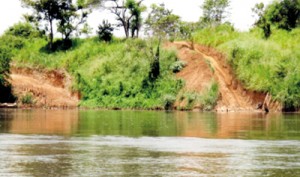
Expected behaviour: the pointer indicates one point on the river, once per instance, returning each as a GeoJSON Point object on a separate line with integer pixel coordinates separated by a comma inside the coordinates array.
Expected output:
{"type": "Point", "coordinates": [85, 143]}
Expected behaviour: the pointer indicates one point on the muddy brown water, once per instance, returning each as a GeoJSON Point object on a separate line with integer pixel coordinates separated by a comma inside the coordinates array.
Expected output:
{"type": "Point", "coordinates": [141, 143]}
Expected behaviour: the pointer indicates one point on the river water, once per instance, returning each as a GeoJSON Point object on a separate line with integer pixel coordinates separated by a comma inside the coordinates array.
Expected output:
{"type": "Point", "coordinates": [75, 143]}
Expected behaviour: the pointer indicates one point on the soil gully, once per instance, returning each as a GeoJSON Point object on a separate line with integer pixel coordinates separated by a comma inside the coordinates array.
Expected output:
{"type": "Point", "coordinates": [205, 64]}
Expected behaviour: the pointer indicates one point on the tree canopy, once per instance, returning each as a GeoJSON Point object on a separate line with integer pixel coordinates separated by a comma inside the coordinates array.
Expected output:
{"type": "Point", "coordinates": [64, 12]}
{"type": "Point", "coordinates": [214, 11]}
{"type": "Point", "coordinates": [162, 22]}
{"type": "Point", "coordinates": [284, 14]}
{"type": "Point", "coordinates": [128, 14]}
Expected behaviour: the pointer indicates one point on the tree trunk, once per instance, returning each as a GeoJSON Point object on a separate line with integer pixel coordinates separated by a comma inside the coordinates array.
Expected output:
{"type": "Point", "coordinates": [51, 34]}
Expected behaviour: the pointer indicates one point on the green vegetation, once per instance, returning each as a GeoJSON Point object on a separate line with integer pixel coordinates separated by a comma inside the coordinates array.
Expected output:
{"type": "Point", "coordinates": [27, 99]}
{"type": "Point", "coordinates": [136, 73]}
{"type": "Point", "coordinates": [7, 44]}
{"type": "Point", "coordinates": [263, 65]}
{"type": "Point", "coordinates": [109, 75]}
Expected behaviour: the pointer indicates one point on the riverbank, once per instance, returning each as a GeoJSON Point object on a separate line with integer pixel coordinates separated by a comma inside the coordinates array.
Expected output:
{"type": "Point", "coordinates": [221, 70]}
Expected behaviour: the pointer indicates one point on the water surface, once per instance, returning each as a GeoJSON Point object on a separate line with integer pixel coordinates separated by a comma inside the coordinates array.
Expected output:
{"type": "Point", "coordinates": [142, 143]}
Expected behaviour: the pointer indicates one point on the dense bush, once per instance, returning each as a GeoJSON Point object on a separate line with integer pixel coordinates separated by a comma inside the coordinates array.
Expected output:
{"type": "Point", "coordinates": [177, 66]}
{"type": "Point", "coordinates": [5, 57]}
{"type": "Point", "coordinates": [24, 30]}
{"type": "Point", "coordinates": [110, 75]}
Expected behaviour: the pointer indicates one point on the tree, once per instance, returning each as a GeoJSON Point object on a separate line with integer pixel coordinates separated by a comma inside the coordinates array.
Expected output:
{"type": "Point", "coordinates": [284, 14]}
{"type": "Point", "coordinates": [47, 10]}
{"type": "Point", "coordinates": [162, 22]}
{"type": "Point", "coordinates": [262, 22]}
{"type": "Point", "coordinates": [105, 31]}
{"type": "Point", "coordinates": [128, 13]}
{"type": "Point", "coordinates": [136, 11]}
{"type": "Point", "coordinates": [65, 12]}
{"type": "Point", "coordinates": [214, 11]}
{"type": "Point", "coordinates": [69, 20]}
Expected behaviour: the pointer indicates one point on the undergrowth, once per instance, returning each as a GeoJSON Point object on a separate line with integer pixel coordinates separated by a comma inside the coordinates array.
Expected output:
{"type": "Point", "coordinates": [109, 75]}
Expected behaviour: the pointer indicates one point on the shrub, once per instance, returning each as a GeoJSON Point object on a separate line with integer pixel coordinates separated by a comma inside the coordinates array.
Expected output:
{"type": "Point", "coordinates": [27, 99]}
{"type": "Point", "coordinates": [105, 31]}
{"type": "Point", "coordinates": [209, 97]}
{"type": "Point", "coordinates": [177, 66]}
{"type": "Point", "coordinates": [24, 30]}
{"type": "Point", "coordinates": [168, 101]}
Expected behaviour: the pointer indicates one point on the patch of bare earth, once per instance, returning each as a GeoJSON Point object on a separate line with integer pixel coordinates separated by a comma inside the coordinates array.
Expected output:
{"type": "Point", "coordinates": [49, 89]}
{"type": "Point", "coordinates": [205, 64]}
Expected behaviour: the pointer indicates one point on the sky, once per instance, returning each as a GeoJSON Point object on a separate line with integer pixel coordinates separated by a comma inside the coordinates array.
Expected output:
{"type": "Point", "coordinates": [189, 10]}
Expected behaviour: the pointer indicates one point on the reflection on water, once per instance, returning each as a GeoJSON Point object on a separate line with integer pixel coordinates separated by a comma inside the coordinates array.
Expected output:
{"type": "Point", "coordinates": [154, 124]}
{"type": "Point", "coordinates": [141, 143]}
{"type": "Point", "coordinates": [38, 121]}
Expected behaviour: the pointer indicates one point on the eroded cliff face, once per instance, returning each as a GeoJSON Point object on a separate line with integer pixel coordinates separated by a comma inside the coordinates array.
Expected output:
{"type": "Point", "coordinates": [45, 88]}
{"type": "Point", "coordinates": [205, 64]}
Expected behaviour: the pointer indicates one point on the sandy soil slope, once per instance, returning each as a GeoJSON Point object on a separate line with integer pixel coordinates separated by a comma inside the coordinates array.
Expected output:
{"type": "Point", "coordinates": [205, 64]}
{"type": "Point", "coordinates": [49, 89]}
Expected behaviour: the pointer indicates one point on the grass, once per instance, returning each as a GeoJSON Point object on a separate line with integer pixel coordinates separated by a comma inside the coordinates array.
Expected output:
{"type": "Point", "coordinates": [206, 100]}
{"type": "Point", "coordinates": [109, 75]}
{"type": "Point", "coordinates": [263, 65]}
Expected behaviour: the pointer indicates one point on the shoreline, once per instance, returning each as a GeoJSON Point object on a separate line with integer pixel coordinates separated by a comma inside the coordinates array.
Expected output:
{"type": "Point", "coordinates": [26, 107]}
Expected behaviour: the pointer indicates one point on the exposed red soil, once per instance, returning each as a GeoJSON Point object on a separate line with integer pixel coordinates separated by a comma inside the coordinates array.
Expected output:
{"type": "Point", "coordinates": [49, 89]}
{"type": "Point", "coordinates": [205, 64]}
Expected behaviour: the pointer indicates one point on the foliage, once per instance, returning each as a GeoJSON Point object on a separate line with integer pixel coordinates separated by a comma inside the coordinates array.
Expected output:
{"type": "Point", "coordinates": [65, 12]}
{"type": "Point", "coordinates": [71, 16]}
{"type": "Point", "coordinates": [105, 31]}
{"type": "Point", "coordinates": [24, 30]}
{"type": "Point", "coordinates": [186, 29]}
{"type": "Point", "coordinates": [285, 14]}
{"type": "Point", "coordinates": [5, 57]}
{"type": "Point", "coordinates": [263, 65]}
{"type": "Point", "coordinates": [177, 66]}
{"type": "Point", "coordinates": [136, 10]}
{"type": "Point", "coordinates": [155, 65]}
{"type": "Point", "coordinates": [215, 36]}
{"type": "Point", "coordinates": [109, 75]}
{"type": "Point", "coordinates": [162, 22]}
{"type": "Point", "coordinates": [27, 99]}
{"type": "Point", "coordinates": [214, 11]}
{"type": "Point", "coordinates": [169, 101]}
{"type": "Point", "coordinates": [129, 15]}
{"type": "Point", "coordinates": [262, 22]}
{"type": "Point", "coordinates": [209, 97]}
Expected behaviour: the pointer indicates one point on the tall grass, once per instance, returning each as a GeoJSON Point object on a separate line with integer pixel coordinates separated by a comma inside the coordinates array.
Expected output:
{"type": "Point", "coordinates": [109, 75]}
{"type": "Point", "coordinates": [264, 65]}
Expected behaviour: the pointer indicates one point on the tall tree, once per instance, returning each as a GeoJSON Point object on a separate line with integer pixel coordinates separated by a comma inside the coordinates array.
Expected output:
{"type": "Point", "coordinates": [214, 11]}
{"type": "Point", "coordinates": [136, 10]}
{"type": "Point", "coordinates": [162, 22]}
{"type": "Point", "coordinates": [47, 10]}
{"type": "Point", "coordinates": [69, 19]}
{"type": "Point", "coordinates": [128, 13]}
{"type": "Point", "coordinates": [262, 21]}
{"type": "Point", "coordinates": [284, 14]}
{"type": "Point", "coordinates": [64, 12]}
